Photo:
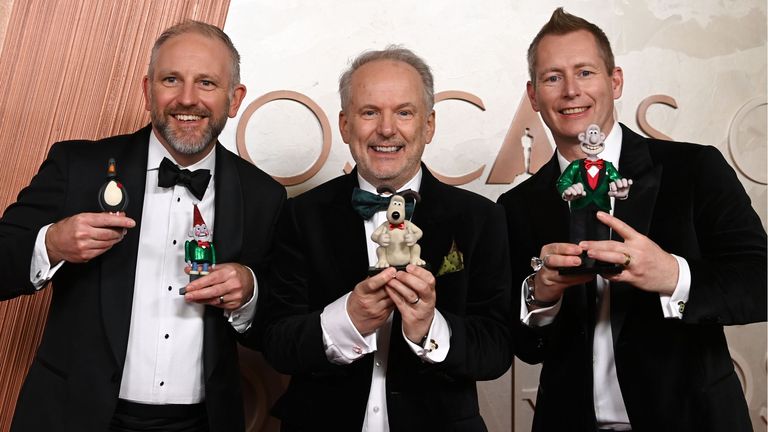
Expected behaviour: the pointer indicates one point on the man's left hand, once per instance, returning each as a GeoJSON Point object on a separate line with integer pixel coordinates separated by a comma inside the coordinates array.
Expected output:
{"type": "Point", "coordinates": [228, 286]}
{"type": "Point", "coordinates": [413, 293]}
{"type": "Point", "coordinates": [646, 265]}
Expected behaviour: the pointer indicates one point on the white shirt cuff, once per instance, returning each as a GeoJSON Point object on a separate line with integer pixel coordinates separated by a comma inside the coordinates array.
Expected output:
{"type": "Point", "coordinates": [539, 317]}
{"type": "Point", "coordinates": [343, 343]}
{"type": "Point", "coordinates": [242, 317]}
{"type": "Point", "coordinates": [40, 271]}
{"type": "Point", "coordinates": [674, 305]}
{"type": "Point", "coordinates": [437, 342]}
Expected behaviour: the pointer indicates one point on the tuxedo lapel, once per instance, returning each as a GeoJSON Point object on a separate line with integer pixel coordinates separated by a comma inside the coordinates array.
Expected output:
{"type": "Point", "coordinates": [118, 265]}
{"type": "Point", "coordinates": [351, 259]}
{"type": "Point", "coordinates": [637, 210]}
{"type": "Point", "coordinates": [432, 215]}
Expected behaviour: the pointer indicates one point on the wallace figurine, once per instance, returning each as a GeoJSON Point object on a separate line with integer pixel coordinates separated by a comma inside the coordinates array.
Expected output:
{"type": "Point", "coordinates": [588, 184]}
{"type": "Point", "coordinates": [199, 252]}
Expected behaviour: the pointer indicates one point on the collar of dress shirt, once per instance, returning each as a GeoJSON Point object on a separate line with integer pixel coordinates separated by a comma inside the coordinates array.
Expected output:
{"type": "Point", "coordinates": [611, 152]}
{"type": "Point", "coordinates": [413, 184]}
{"type": "Point", "coordinates": [157, 152]}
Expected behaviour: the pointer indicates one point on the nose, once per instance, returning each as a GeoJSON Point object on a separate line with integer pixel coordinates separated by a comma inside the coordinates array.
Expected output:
{"type": "Point", "coordinates": [571, 87]}
{"type": "Point", "coordinates": [386, 125]}
{"type": "Point", "coordinates": [187, 94]}
{"type": "Point", "coordinates": [395, 215]}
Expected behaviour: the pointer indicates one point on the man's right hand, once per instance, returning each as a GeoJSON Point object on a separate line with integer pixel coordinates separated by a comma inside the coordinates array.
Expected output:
{"type": "Point", "coordinates": [550, 284]}
{"type": "Point", "coordinates": [84, 236]}
{"type": "Point", "coordinates": [369, 305]}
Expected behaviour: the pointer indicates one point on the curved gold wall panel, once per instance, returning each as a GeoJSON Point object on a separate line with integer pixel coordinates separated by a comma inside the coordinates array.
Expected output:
{"type": "Point", "coordinates": [68, 69]}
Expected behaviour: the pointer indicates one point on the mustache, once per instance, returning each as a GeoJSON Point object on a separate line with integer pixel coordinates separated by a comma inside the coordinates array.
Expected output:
{"type": "Point", "coordinates": [386, 142]}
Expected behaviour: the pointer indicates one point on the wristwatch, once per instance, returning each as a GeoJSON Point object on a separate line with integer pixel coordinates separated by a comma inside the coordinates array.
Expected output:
{"type": "Point", "coordinates": [530, 300]}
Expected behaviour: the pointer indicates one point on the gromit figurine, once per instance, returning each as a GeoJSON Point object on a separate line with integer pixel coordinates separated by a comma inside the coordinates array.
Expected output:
{"type": "Point", "coordinates": [199, 252]}
{"type": "Point", "coordinates": [397, 236]}
{"type": "Point", "coordinates": [588, 184]}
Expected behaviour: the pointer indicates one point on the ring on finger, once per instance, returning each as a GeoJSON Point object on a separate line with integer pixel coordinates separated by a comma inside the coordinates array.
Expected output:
{"type": "Point", "coordinates": [416, 301]}
{"type": "Point", "coordinates": [628, 260]}
{"type": "Point", "coordinates": [221, 299]}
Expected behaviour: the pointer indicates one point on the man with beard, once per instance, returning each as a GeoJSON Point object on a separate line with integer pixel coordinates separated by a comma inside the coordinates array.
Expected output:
{"type": "Point", "coordinates": [122, 350]}
{"type": "Point", "coordinates": [400, 350]}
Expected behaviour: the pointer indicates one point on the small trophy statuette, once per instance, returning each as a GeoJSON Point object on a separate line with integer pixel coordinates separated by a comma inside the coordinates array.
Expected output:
{"type": "Point", "coordinates": [397, 236]}
{"type": "Point", "coordinates": [199, 252]}
{"type": "Point", "coordinates": [588, 185]}
{"type": "Point", "coordinates": [113, 197]}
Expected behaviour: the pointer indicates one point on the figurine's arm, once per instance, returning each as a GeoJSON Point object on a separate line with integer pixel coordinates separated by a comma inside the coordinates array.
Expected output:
{"type": "Point", "coordinates": [187, 252]}
{"type": "Point", "coordinates": [618, 186]}
{"type": "Point", "coordinates": [413, 233]}
{"type": "Point", "coordinates": [381, 236]}
{"type": "Point", "coordinates": [213, 255]}
{"type": "Point", "coordinates": [568, 185]}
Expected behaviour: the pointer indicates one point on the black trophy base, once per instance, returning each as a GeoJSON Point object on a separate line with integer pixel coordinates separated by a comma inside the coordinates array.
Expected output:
{"type": "Point", "coordinates": [373, 271]}
{"type": "Point", "coordinates": [592, 266]}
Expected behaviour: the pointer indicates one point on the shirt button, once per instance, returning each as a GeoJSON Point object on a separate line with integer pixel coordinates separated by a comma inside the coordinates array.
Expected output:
{"type": "Point", "coordinates": [169, 288]}
{"type": "Point", "coordinates": [178, 199]}
{"type": "Point", "coordinates": [162, 383]}
{"type": "Point", "coordinates": [174, 242]}
{"type": "Point", "coordinates": [167, 336]}
{"type": "Point", "coordinates": [376, 409]}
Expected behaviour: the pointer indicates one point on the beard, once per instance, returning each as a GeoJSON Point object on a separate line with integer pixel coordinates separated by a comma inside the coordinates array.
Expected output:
{"type": "Point", "coordinates": [188, 143]}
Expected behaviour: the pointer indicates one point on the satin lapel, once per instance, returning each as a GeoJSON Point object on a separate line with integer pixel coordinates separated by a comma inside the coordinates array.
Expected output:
{"type": "Point", "coordinates": [118, 265]}
{"type": "Point", "coordinates": [349, 250]}
{"type": "Point", "coordinates": [227, 238]}
{"type": "Point", "coordinates": [637, 210]}
{"type": "Point", "coordinates": [432, 216]}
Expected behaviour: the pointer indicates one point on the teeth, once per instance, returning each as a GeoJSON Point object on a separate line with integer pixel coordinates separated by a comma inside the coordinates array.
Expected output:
{"type": "Point", "coordinates": [187, 117]}
{"type": "Point", "coordinates": [574, 110]}
{"type": "Point", "coordinates": [386, 149]}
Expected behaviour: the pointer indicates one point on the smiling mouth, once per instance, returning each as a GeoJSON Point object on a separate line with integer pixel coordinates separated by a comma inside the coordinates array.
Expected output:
{"type": "Point", "coordinates": [591, 147]}
{"type": "Point", "coordinates": [577, 110]}
{"type": "Point", "coordinates": [386, 149]}
{"type": "Point", "coordinates": [187, 117]}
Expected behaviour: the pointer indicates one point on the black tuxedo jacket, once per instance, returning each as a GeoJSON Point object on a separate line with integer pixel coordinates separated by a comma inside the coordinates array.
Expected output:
{"type": "Point", "coordinates": [74, 380]}
{"type": "Point", "coordinates": [321, 255]}
{"type": "Point", "coordinates": [675, 375]}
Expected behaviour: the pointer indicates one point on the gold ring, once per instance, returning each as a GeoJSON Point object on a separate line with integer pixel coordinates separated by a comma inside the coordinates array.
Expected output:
{"type": "Point", "coordinates": [221, 299]}
{"type": "Point", "coordinates": [628, 260]}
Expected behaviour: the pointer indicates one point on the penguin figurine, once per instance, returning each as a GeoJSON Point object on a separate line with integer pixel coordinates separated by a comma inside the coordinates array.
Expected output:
{"type": "Point", "coordinates": [113, 197]}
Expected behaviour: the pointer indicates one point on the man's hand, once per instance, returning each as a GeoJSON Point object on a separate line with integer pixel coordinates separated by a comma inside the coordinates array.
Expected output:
{"type": "Point", "coordinates": [228, 286]}
{"type": "Point", "coordinates": [647, 266]}
{"type": "Point", "coordinates": [574, 191]}
{"type": "Point", "coordinates": [550, 284]}
{"type": "Point", "coordinates": [84, 236]}
{"type": "Point", "coordinates": [368, 305]}
{"type": "Point", "coordinates": [413, 293]}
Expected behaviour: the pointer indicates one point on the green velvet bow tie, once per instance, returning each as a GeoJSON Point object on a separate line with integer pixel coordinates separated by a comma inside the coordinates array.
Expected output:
{"type": "Point", "coordinates": [366, 204]}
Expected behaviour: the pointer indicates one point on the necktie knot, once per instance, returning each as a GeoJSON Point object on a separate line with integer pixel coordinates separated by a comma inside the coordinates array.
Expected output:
{"type": "Point", "coordinates": [195, 181]}
{"type": "Point", "coordinates": [366, 204]}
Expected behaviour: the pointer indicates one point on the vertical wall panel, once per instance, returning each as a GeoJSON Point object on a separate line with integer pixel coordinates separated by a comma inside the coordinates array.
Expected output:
{"type": "Point", "coordinates": [68, 69]}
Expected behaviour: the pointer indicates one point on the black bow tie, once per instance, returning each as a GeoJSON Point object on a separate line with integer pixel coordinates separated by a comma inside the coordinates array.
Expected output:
{"type": "Point", "coordinates": [366, 204]}
{"type": "Point", "coordinates": [195, 181]}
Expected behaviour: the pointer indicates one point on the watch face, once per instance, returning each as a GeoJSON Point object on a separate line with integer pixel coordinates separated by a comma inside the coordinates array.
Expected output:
{"type": "Point", "coordinates": [537, 263]}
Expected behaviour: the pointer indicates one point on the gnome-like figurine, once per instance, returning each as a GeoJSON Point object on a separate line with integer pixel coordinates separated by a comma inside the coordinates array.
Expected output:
{"type": "Point", "coordinates": [113, 197]}
{"type": "Point", "coordinates": [199, 252]}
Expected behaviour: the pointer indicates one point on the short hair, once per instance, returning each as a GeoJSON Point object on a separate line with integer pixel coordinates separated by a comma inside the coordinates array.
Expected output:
{"type": "Point", "coordinates": [394, 53]}
{"type": "Point", "coordinates": [201, 28]}
{"type": "Point", "coordinates": [562, 23]}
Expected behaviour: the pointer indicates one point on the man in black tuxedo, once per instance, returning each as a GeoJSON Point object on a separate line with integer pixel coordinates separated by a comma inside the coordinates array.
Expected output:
{"type": "Point", "coordinates": [400, 350]}
{"type": "Point", "coordinates": [122, 350]}
{"type": "Point", "coordinates": [644, 349]}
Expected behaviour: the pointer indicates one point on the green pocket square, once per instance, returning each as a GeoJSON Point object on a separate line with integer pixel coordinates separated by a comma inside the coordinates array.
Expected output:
{"type": "Point", "coordinates": [452, 262]}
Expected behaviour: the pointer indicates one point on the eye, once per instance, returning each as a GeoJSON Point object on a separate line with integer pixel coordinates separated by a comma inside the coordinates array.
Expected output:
{"type": "Point", "coordinates": [169, 81]}
{"type": "Point", "coordinates": [405, 114]}
{"type": "Point", "coordinates": [368, 113]}
{"type": "Point", "coordinates": [551, 79]}
{"type": "Point", "coordinates": [207, 84]}
{"type": "Point", "coordinates": [584, 73]}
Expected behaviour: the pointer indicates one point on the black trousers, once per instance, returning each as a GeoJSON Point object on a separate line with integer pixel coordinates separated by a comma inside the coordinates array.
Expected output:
{"type": "Point", "coordinates": [137, 417]}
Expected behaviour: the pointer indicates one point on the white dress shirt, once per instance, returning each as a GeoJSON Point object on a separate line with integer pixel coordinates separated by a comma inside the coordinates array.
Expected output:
{"type": "Point", "coordinates": [163, 362]}
{"type": "Point", "coordinates": [610, 411]}
{"type": "Point", "coordinates": [344, 344]}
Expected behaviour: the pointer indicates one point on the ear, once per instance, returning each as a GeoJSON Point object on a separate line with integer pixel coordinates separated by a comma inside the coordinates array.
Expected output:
{"type": "Point", "coordinates": [343, 124]}
{"type": "Point", "coordinates": [529, 88]}
{"type": "Point", "coordinates": [582, 137]}
{"type": "Point", "coordinates": [429, 131]}
{"type": "Point", "coordinates": [145, 90]}
{"type": "Point", "coordinates": [237, 98]}
{"type": "Point", "coordinates": [617, 82]}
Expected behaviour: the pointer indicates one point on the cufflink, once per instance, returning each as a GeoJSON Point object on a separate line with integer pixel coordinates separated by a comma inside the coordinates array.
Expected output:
{"type": "Point", "coordinates": [680, 307]}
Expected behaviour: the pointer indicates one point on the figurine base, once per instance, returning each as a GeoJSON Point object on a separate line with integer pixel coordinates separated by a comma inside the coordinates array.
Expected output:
{"type": "Point", "coordinates": [591, 266]}
{"type": "Point", "coordinates": [373, 271]}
